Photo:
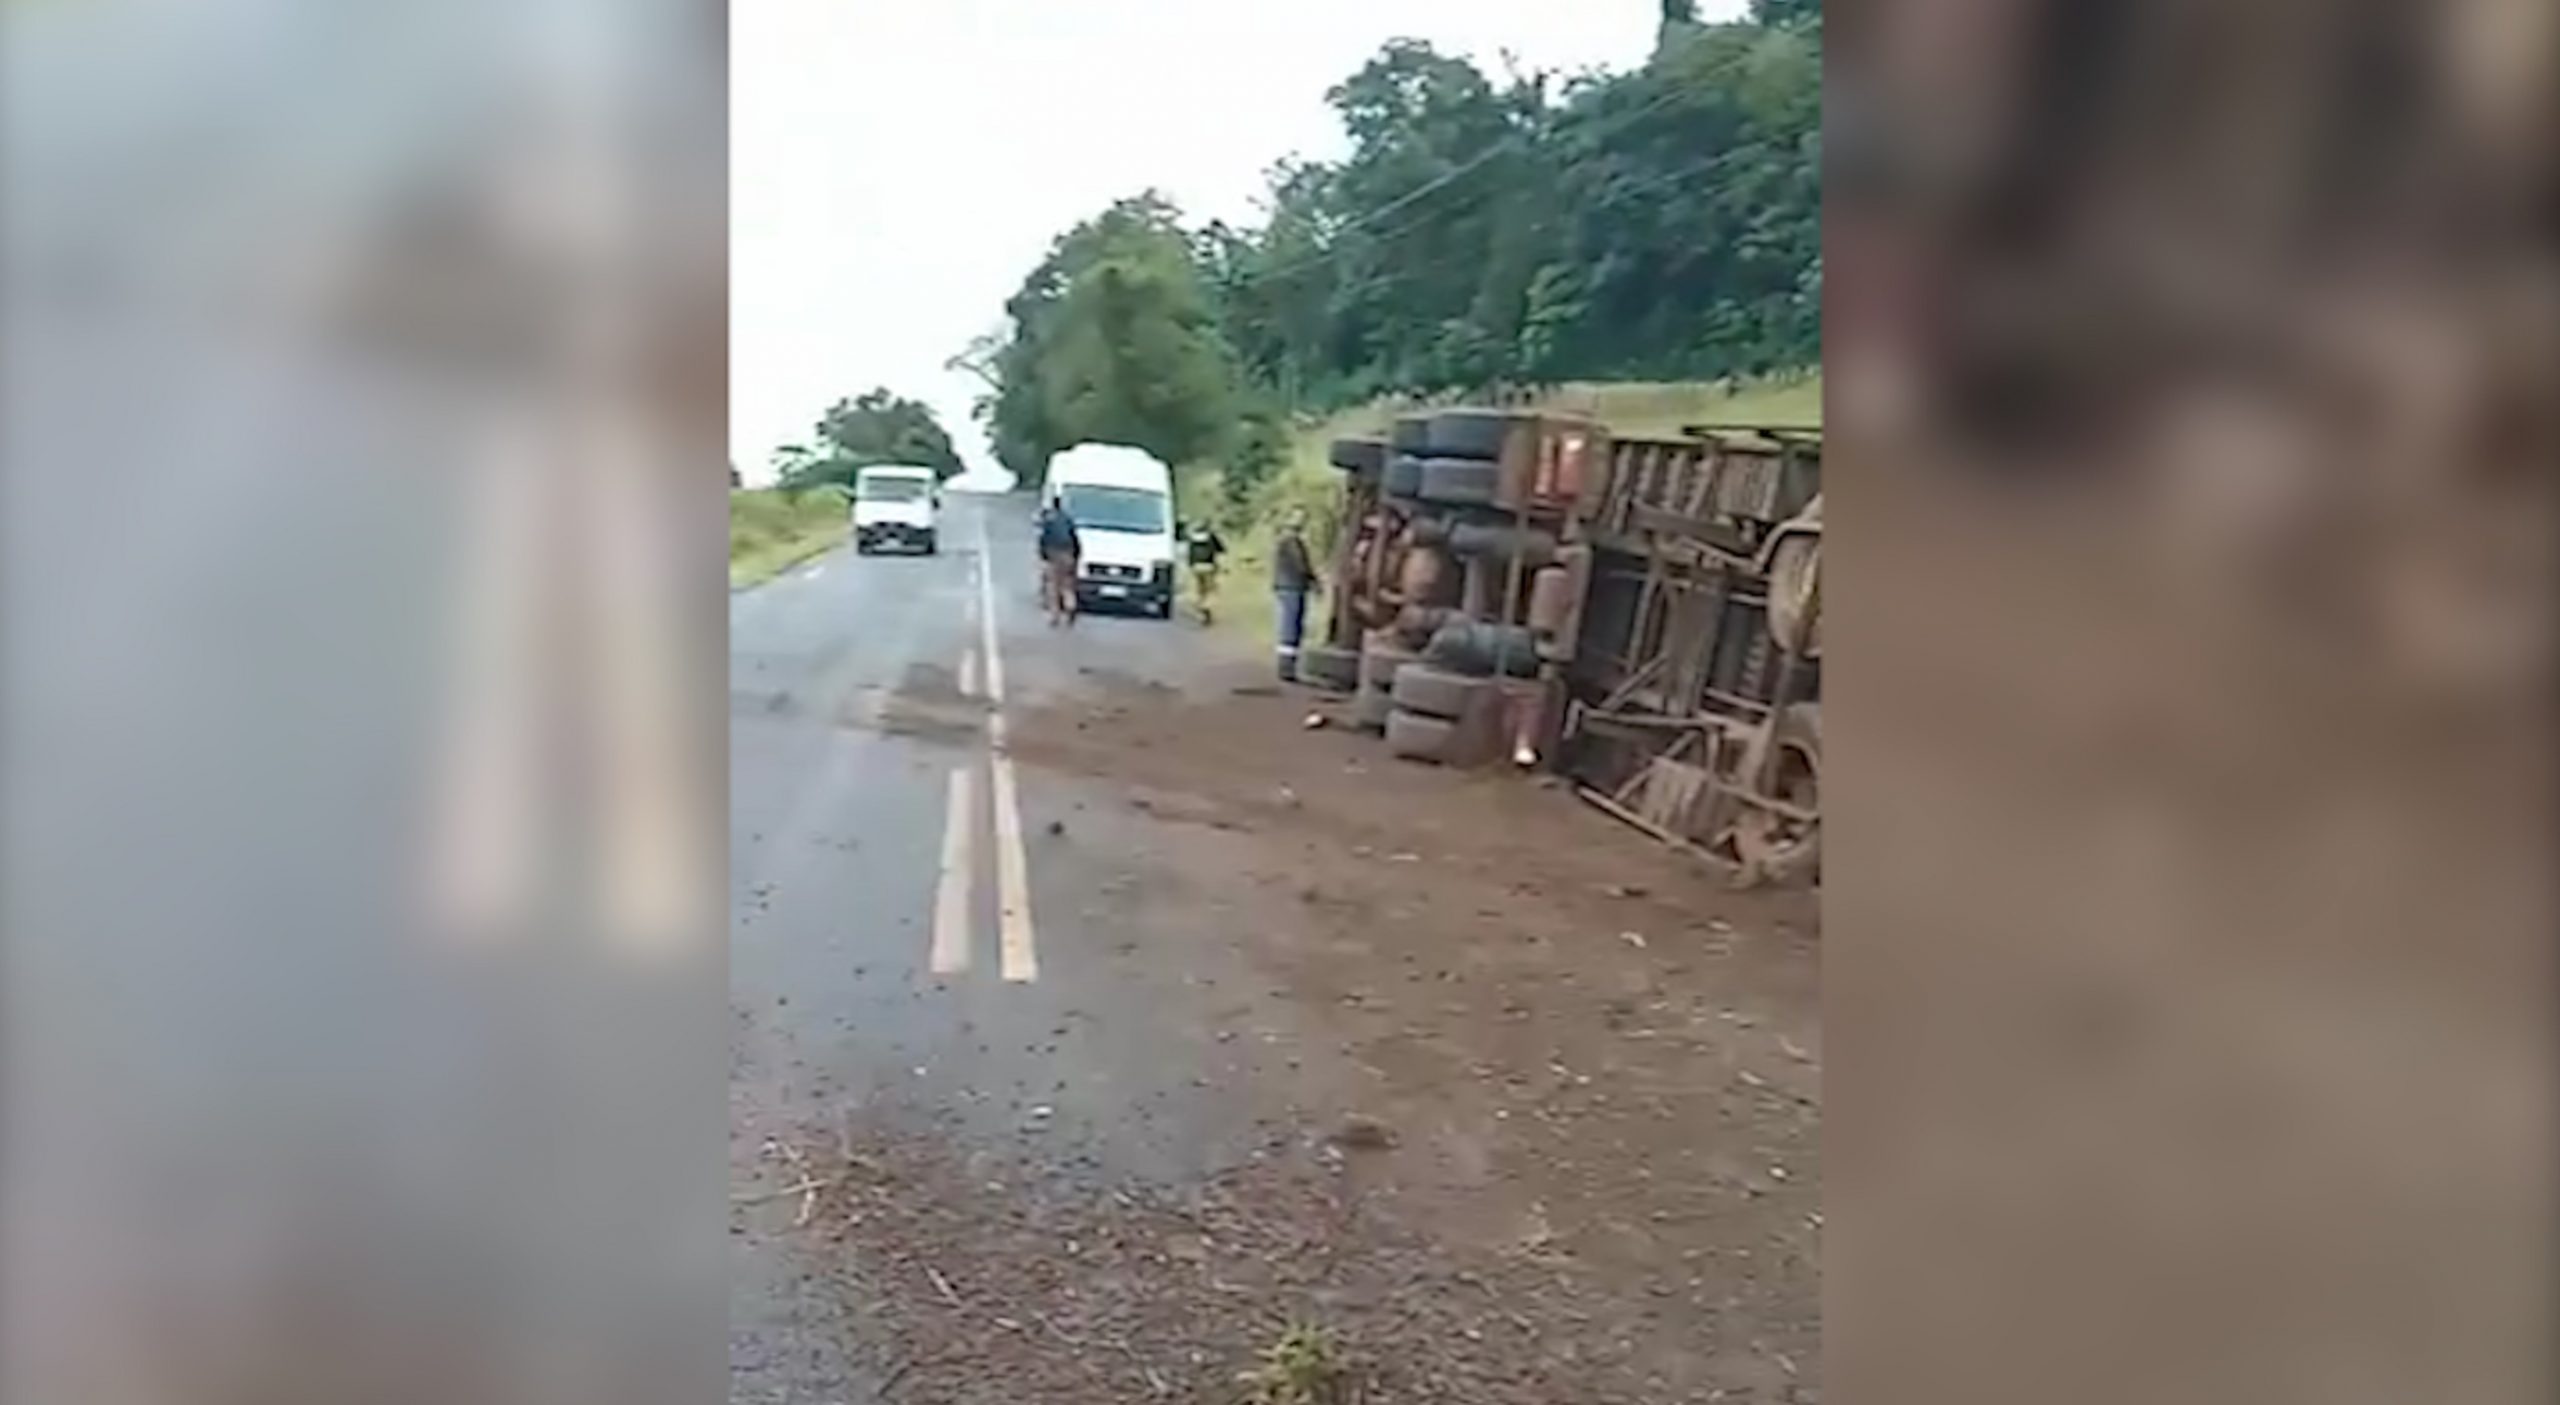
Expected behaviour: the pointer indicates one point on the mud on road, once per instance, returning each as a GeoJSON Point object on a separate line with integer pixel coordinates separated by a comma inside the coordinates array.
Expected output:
{"type": "Point", "coordinates": [1516, 1107]}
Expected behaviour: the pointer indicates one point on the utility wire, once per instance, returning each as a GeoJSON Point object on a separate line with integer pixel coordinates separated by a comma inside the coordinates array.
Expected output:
{"type": "Point", "coordinates": [1504, 147]}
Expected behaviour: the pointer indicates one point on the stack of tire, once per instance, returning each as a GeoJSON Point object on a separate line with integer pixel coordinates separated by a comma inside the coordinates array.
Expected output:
{"type": "Point", "coordinates": [1437, 716]}
{"type": "Point", "coordinates": [1450, 706]}
{"type": "Point", "coordinates": [1449, 459]}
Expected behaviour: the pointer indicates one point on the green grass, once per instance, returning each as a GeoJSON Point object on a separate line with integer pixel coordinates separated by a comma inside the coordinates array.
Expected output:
{"type": "Point", "coordinates": [1635, 409]}
{"type": "Point", "coordinates": [1303, 1366]}
{"type": "Point", "coordinates": [770, 531]}
{"type": "Point", "coordinates": [1659, 410]}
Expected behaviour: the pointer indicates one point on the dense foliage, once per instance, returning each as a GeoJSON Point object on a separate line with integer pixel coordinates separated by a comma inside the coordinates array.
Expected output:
{"type": "Point", "coordinates": [855, 434]}
{"type": "Point", "coordinates": [1658, 224]}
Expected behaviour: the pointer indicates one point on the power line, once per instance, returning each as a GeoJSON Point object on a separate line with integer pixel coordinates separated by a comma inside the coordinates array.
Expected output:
{"type": "Point", "coordinates": [1376, 281]}
{"type": "Point", "coordinates": [1503, 147]}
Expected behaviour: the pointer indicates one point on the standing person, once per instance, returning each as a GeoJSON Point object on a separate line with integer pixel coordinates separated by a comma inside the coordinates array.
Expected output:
{"type": "Point", "coordinates": [1203, 546]}
{"type": "Point", "coordinates": [1060, 553]}
{"type": "Point", "coordinates": [1293, 575]}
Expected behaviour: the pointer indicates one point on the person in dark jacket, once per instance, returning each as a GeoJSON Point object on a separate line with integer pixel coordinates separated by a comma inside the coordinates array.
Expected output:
{"type": "Point", "coordinates": [1204, 548]}
{"type": "Point", "coordinates": [1293, 578]}
{"type": "Point", "coordinates": [1060, 553]}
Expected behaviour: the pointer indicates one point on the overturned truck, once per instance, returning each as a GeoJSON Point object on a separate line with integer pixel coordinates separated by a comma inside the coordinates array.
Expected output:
{"type": "Point", "coordinates": [1639, 615]}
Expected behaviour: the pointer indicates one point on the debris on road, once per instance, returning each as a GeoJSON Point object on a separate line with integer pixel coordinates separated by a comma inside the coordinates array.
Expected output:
{"type": "Point", "coordinates": [1363, 1134]}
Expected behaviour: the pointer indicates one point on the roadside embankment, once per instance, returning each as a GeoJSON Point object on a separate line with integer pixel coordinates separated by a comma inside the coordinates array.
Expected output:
{"type": "Point", "coordinates": [772, 530]}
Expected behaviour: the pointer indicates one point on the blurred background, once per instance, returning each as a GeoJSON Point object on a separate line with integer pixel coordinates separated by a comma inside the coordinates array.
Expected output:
{"type": "Point", "coordinates": [2188, 903]}
{"type": "Point", "coordinates": [361, 422]}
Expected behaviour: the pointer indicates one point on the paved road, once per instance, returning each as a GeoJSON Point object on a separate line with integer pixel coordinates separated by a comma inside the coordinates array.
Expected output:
{"type": "Point", "coordinates": [920, 923]}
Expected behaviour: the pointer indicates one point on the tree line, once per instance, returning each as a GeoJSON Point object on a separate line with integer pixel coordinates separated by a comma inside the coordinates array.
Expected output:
{"type": "Point", "coordinates": [877, 427]}
{"type": "Point", "coordinates": [1484, 231]}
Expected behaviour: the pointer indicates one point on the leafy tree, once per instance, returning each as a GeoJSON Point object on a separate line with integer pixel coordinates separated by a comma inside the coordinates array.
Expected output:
{"type": "Point", "coordinates": [875, 428]}
{"type": "Point", "coordinates": [883, 428]}
{"type": "Point", "coordinates": [1660, 223]}
{"type": "Point", "coordinates": [1115, 340]}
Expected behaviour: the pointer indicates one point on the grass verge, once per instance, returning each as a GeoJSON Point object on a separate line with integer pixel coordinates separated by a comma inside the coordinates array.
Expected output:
{"type": "Point", "coordinates": [770, 530]}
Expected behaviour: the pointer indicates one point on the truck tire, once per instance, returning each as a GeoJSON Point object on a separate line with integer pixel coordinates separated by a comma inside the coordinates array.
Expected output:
{"type": "Point", "coordinates": [1791, 752]}
{"type": "Point", "coordinates": [1785, 763]}
{"type": "Point", "coordinates": [1328, 667]}
{"type": "Point", "coordinates": [1503, 543]}
{"type": "Point", "coordinates": [1469, 434]}
{"type": "Point", "coordinates": [1458, 482]}
{"type": "Point", "coordinates": [1380, 665]}
{"type": "Point", "coordinates": [1477, 648]}
{"type": "Point", "coordinates": [1415, 624]}
{"type": "Point", "coordinates": [1411, 434]}
{"type": "Point", "coordinates": [1432, 692]}
{"type": "Point", "coordinates": [1403, 476]}
{"type": "Point", "coordinates": [1418, 738]}
{"type": "Point", "coordinates": [1370, 709]}
{"type": "Point", "coordinates": [1360, 455]}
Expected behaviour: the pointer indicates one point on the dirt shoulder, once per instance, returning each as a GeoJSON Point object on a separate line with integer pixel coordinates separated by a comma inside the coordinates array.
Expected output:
{"type": "Point", "coordinates": [1533, 1103]}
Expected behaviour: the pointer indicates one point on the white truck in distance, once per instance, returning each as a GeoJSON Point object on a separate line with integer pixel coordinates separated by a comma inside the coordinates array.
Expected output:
{"type": "Point", "coordinates": [897, 504]}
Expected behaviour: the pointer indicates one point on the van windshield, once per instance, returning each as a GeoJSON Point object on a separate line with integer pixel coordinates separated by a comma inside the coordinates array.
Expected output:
{"type": "Point", "coordinates": [1117, 509]}
{"type": "Point", "coordinates": [886, 488]}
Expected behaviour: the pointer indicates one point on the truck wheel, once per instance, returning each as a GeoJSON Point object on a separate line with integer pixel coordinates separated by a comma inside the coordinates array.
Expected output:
{"type": "Point", "coordinates": [1431, 692]}
{"type": "Point", "coordinates": [1418, 738]}
{"type": "Point", "coordinates": [1359, 455]}
{"type": "Point", "coordinates": [1329, 667]}
{"type": "Point", "coordinates": [1370, 710]}
{"type": "Point", "coordinates": [1468, 434]}
{"type": "Point", "coordinates": [1461, 482]}
{"type": "Point", "coordinates": [1535, 546]}
{"type": "Point", "coordinates": [1477, 648]}
{"type": "Point", "coordinates": [1379, 667]}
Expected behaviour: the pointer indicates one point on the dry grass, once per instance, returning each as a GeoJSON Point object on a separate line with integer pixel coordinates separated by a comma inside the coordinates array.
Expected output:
{"type": "Point", "coordinates": [770, 531]}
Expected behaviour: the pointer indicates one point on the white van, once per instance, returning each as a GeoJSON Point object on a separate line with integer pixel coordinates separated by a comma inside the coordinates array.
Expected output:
{"type": "Point", "coordinates": [897, 503]}
{"type": "Point", "coordinates": [1122, 501]}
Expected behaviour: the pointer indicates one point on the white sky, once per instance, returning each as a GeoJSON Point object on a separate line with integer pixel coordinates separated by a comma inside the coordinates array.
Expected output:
{"type": "Point", "coordinates": [897, 166]}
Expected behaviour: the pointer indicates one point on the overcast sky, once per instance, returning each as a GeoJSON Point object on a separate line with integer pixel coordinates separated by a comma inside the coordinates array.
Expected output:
{"type": "Point", "coordinates": [897, 166]}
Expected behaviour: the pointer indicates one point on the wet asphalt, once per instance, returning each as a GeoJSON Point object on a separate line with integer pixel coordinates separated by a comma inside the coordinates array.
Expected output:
{"type": "Point", "coordinates": [859, 688]}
